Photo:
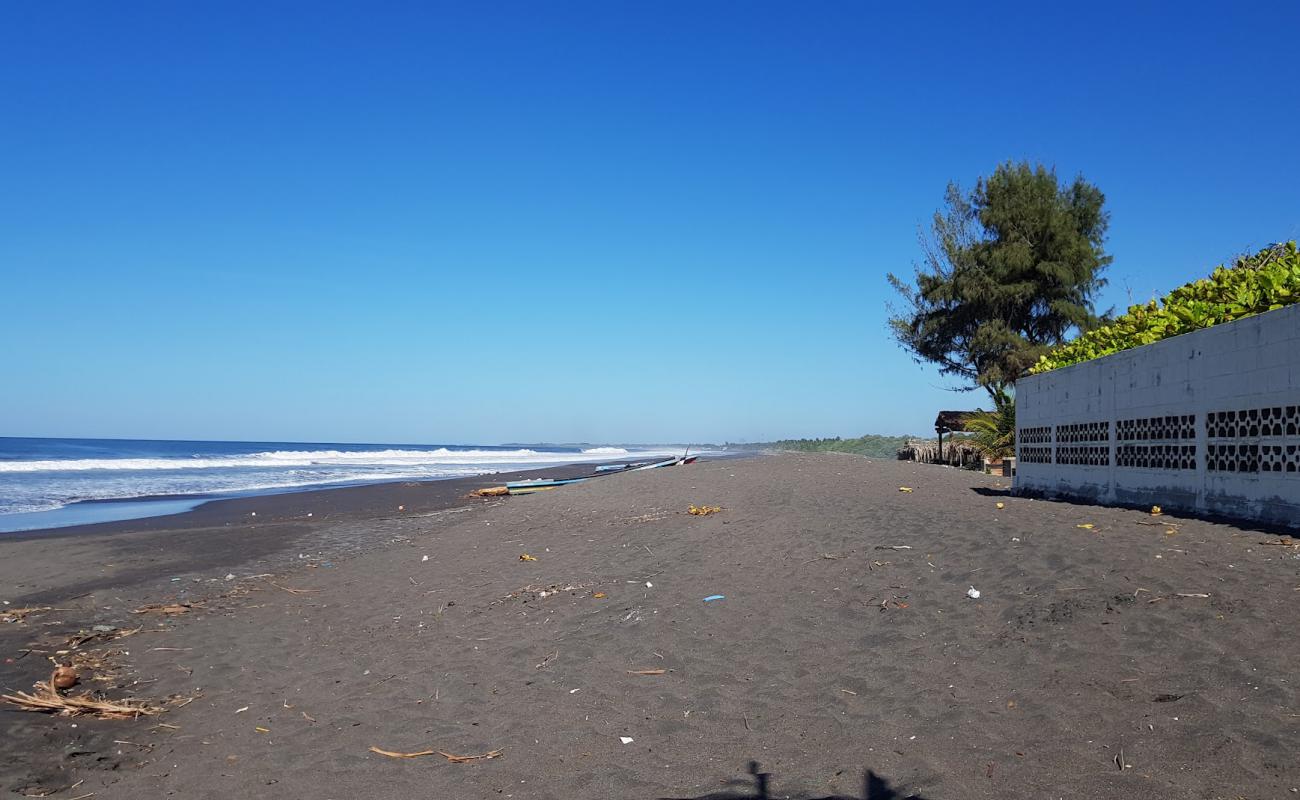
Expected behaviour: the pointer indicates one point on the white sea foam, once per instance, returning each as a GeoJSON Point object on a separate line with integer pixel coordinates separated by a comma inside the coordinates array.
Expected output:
{"type": "Point", "coordinates": [49, 484]}
{"type": "Point", "coordinates": [321, 458]}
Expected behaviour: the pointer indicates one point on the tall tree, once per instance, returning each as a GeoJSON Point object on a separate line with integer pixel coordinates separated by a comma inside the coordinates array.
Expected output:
{"type": "Point", "coordinates": [1007, 272]}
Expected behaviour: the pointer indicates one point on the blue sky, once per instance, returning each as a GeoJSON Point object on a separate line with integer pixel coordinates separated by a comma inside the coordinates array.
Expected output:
{"type": "Point", "coordinates": [474, 222]}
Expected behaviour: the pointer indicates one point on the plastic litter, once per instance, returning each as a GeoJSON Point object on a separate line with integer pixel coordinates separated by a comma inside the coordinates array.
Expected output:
{"type": "Point", "coordinates": [973, 593]}
{"type": "Point", "coordinates": [713, 597]}
{"type": "Point", "coordinates": [626, 739]}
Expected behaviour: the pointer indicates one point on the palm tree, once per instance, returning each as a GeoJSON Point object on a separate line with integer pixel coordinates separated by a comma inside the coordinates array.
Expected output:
{"type": "Point", "coordinates": [993, 433]}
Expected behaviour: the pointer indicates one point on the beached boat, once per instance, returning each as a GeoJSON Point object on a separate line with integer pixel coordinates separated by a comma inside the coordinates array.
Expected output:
{"type": "Point", "coordinates": [545, 482]}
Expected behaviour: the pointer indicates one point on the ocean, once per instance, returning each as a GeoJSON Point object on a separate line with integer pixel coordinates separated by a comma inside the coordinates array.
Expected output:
{"type": "Point", "coordinates": [58, 482]}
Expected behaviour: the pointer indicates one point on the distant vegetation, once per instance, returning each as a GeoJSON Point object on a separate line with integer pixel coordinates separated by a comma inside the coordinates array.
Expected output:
{"type": "Point", "coordinates": [1268, 280]}
{"type": "Point", "coordinates": [877, 446]}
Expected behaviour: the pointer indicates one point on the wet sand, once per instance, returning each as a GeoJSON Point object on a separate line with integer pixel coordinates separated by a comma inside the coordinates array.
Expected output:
{"type": "Point", "coordinates": [1089, 667]}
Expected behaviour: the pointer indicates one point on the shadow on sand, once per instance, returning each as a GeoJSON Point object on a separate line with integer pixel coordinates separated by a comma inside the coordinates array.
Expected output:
{"type": "Point", "coordinates": [757, 787]}
{"type": "Point", "coordinates": [1252, 526]}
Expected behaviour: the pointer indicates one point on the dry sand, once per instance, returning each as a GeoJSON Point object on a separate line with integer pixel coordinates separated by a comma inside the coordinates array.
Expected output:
{"type": "Point", "coordinates": [840, 668]}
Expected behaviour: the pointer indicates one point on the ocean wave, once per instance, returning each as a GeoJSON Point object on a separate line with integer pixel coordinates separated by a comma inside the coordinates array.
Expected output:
{"type": "Point", "coordinates": [318, 458]}
{"type": "Point", "coordinates": [51, 497]}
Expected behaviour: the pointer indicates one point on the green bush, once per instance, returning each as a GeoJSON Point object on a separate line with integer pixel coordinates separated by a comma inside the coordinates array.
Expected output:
{"type": "Point", "coordinates": [1267, 280]}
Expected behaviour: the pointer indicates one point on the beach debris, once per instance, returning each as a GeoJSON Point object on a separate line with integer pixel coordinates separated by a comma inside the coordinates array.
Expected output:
{"type": "Point", "coordinates": [105, 632]}
{"type": "Point", "coordinates": [401, 508]}
{"type": "Point", "coordinates": [241, 710]}
{"type": "Point", "coordinates": [425, 558]}
{"type": "Point", "coordinates": [167, 608]}
{"type": "Point", "coordinates": [1156, 511]}
{"type": "Point", "coordinates": [1001, 506]}
{"type": "Point", "coordinates": [893, 547]}
{"type": "Point", "coordinates": [649, 585]}
{"type": "Point", "coordinates": [598, 595]}
{"type": "Point", "coordinates": [526, 557]}
{"type": "Point", "coordinates": [46, 698]}
{"type": "Point", "coordinates": [1190, 594]}
{"type": "Point", "coordinates": [626, 739]}
{"type": "Point", "coordinates": [702, 511]}
{"type": "Point", "coordinates": [973, 593]}
{"type": "Point", "coordinates": [542, 592]}
{"type": "Point", "coordinates": [491, 491]}
{"type": "Point", "coordinates": [905, 489]}
{"type": "Point", "coordinates": [20, 614]}
{"type": "Point", "coordinates": [647, 672]}
{"type": "Point", "coordinates": [230, 576]}
{"type": "Point", "coordinates": [1087, 526]}
{"type": "Point", "coordinates": [713, 597]}
{"type": "Point", "coordinates": [897, 600]}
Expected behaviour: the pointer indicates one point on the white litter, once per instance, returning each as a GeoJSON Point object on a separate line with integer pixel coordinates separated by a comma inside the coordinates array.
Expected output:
{"type": "Point", "coordinates": [230, 576]}
{"type": "Point", "coordinates": [426, 558]}
{"type": "Point", "coordinates": [241, 710]}
{"type": "Point", "coordinates": [625, 739]}
{"type": "Point", "coordinates": [649, 585]}
{"type": "Point", "coordinates": [973, 593]}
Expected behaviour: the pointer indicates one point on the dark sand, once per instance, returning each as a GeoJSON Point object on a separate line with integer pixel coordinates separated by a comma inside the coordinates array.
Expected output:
{"type": "Point", "coordinates": [844, 670]}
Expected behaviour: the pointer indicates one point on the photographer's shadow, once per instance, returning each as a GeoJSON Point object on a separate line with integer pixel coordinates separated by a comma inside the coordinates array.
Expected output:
{"type": "Point", "coordinates": [757, 787]}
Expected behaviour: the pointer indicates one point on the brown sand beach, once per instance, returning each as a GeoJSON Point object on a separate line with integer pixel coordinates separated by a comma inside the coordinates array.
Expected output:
{"type": "Point", "coordinates": [1110, 653]}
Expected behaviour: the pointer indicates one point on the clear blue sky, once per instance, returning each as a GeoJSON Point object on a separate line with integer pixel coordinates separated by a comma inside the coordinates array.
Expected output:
{"type": "Point", "coordinates": [603, 221]}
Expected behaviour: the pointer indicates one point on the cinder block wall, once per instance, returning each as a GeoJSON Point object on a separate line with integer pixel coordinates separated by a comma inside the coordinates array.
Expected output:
{"type": "Point", "coordinates": [1207, 421]}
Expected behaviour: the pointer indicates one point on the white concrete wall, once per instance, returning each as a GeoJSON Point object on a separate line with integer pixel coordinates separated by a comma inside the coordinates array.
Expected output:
{"type": "Point", "coordinates": [1207, 421]}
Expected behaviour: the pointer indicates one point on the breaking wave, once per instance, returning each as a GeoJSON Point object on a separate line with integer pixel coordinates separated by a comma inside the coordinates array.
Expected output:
{"type": "Point", "coordinates": [319, 458]}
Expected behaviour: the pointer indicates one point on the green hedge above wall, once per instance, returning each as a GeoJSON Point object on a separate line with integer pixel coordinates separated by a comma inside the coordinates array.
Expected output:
{"type": "Point", "coordinates": [1267, 280]}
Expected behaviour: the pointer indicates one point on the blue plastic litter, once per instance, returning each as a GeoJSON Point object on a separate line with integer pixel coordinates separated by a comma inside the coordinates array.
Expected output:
{"type": "Point", "coordinates": [713, 597]}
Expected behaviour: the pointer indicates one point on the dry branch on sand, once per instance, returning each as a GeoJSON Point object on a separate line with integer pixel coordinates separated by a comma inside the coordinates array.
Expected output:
{"type": "Point", "coordinates": [703, 511]}
{"type": "Point", "coordinates": [108, 635]}
{"type": "Point", "coordinates": [292, 590]}
{"type": "Point", "coordinates": [47, 699]}
{"type": "Point", "coordinates": [20, 614]}
{"type": "Point", "coordinates": [455, 759]}
{"type": "Point", "coordinates": [167, 608]}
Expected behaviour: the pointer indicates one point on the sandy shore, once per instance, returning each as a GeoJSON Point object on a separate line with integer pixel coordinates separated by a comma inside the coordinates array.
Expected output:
{"type": "Point", "coordinates": [1090, 666]}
